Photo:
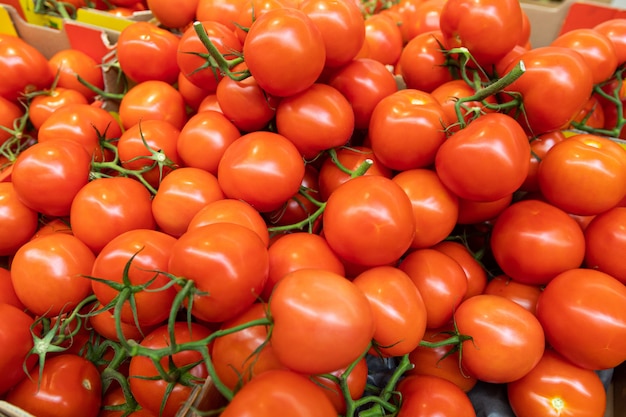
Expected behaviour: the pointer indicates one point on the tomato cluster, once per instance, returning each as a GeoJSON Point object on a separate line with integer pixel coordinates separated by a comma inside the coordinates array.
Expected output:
{"type": "Point", "coordinates": [289, 190]}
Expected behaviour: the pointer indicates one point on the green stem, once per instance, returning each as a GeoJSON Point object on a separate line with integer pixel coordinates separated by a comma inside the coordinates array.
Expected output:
{"type": "Point", "coordinates": [224, 65]}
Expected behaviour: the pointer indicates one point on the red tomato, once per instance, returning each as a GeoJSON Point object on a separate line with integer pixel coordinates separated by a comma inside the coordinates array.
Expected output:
{"type": "Point", "coordinates": [142, 42]}
{"type": "Point", "coordinates": [595, 303]}
{"type": "Point", "coordinates": [284, 51]}
{"type": "Point", "coordinates": [485, 161]}
{"type": "Point", "coordinates": [592, 114]}
{"type": "Point", "coordinates": [121, 203]}
{"type": "Point", "coordinates": [249, 11]}
{"type": "Point", "coordinates": [539, 147]}
{"type": "Point", "coordinates": [173, 15]}
{"type": "Point", "coordinates": [17, 221]}
{"type": "Point", "coordinates": [533, 241]}
{"type": "Point", "coordinates": [7, 292]}
{"type": "Point", "coordinates": [67, 385]}
{"type": "Point", "coordinates": [382, 213]}
{"type": "Point", "coordinates": [152, 100]}
{"type": "Point", "coordinates": [422, 62]}
{"type": "Point", "coordinates": [615, 30]}
{"type": "Point", "coordinates": [48, 175]}
{"type": "Point", "coordinates": [431, 396]}
{"type": "Point", "coordinates": [605, 239]}
{"type": "Point", "coordinates": [474, 212]}
{"type": "Point", "coordinates": [105, 324]}
{"type": "Point", "coordinates": [238, 261]}
{"type": "Point", "coordinates": [261, 168]}
{"type": "Point", "coordinates": [181, 195]}
{"type": "Point", "coordinates": [507, 340]}
{"type": "Point", "coordinates": [489, 29]}
{"type": "Point", "coordinates": [440, 280]}
{"type": "Point", "coordinates": [192, 94]}
{"type": "Point", "coordinates": [474, 270]}
{"type": "Point", "coordinates": [9, 113]}
{"type": "Point", "coordinates": [17, 341]}
{"type": "Point", "coordinates": [406, 131]}
{"type": "Point", "coordinates": [43, 105]}
{"type": "Point", "coordinates": [284, 393]}
{"type": "Point", "coordinates": [67, 64]}
{"type": "Point", "coordinates": [425, 18]}
{"type": "Point", "coordinates": [557, 387]}
{"type": "Point", "coordinates": [322, 300]}
{"type": "Point", "coordinates": [49, 273]}
{"type": "Point", "coordinates": [593, 170]}
{"type": "Point", "coordinates": [525, 295]}
{"type": "Point", "coordinates": [383, 38]}
{"type": "Point", "coordinates": [356, 382]}
{"type": "Point", "coordinates": [225, 12]}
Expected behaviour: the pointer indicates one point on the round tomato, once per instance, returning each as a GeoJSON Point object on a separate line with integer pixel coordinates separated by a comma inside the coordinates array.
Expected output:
{"type": "Point", "coordinates": [525, 295]}
{"type": "Point", "coordinates": [17, 341]}
{"type": "Point", "coordinates": [474, 270]}
{"type": "Point", "coordinates": [153, 100]}
{"type": "Point", "coordinates": [173, 15]}
{"type": "Point", "coordinates": [431, 396]}
{"type": "Point", "coordinates": [615, 30]}
{"type": "Point", "coordinates": [356, 382]}
{"type": "Point", "coordinates": [43, 105]}
{"type": "Point", "coordinates": [17, 221]}
{"type": "Point", "coordinates": [422, 62]}
{"type": "Point", "coordinates": [67, 64]}
{"type": "Point", "coordinates": [225, 12]}
{"type": "Point", "coordinates": [539, 147]}
{"type": "Point", "coordinates": [476, 212]}
{"type": "Point", "coordinates": [7, 292]}
{"type": "Point", "coordinates": [10, 112]}
{"type": "Point", "coordinates": [605, 239]}
{"type": "Point", "coordinates": [383, 38]}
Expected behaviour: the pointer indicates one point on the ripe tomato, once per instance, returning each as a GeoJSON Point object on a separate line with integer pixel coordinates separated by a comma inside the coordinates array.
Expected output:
{"type": "Point", "coordinates": [48, 175]}
{"type": "Point", "coordinates": [557, 387]}
{"type": "Point", "coordinates": [539, 147]}
{"type": "Point", "coordinates": [284, 51]}
{"type": "Point", "coordinates": [284, 393]}
{"type": "Point", "coordinates": [165, 397]}
{"type": "Point", "coordinates": [423, 63]}
{"type": "Point", "coordinates": [17, 341]}
{"type": "Point", "coordinates": [489, 29]}
{"type": "Point", "coordinates": [430, 396]}
{"type": "Point", "coordinates": [525, 295]}
{"type": "Point", "coordinates": [181, 194]}
{"type": "Point", "coordinates": [43, 105]}
{"type": "Point", "coordinates": [615, 30]}
{"type": "Point", "coordinates": [104, 323]}
{"type": "Point", "coordinates": [9, 113]}
{"type": "Point", "coordinates": [474, 270]}
{"type": "Point", "coordinates": [593, 170]}
{"type": "Point", "coordinates": [383, 38]}
{"type": "Point", "coordinates": [315, 119]}
{"type": "Point", "coordinates": [507, 341]}
{"type": "Point", "coordinates": [152, 100]}
{"type": "Point", "coordinates": [398, 307]}
{"type": "Point", "coordinates": [7, 292]}
{"type": "Point", "coordinates": [67, 64]}
{"type": "Point", "coordinates": [336, 308]}
{"type": "Point", "coordinates": [485, 161]}
{"type": "Point", "coordinates": [68, 385]}
{"type": "Point", "coordinates": [605, 239]}
{"type": "Point", "coordinates": [225, 12]}
{"type": "Point", "coordinates": [173, 15]}
{"type": "Point", "coordinates": [406, 129]}
{"type": "Point", "coordinates": [475, 212]}
{"type": "Point", "coordinates": [17, 221]}
{"type": "Point", "coordinates": [121, 203]}
{"type": "Point", "coordinates": [261, 168]}
{"type": "Point", "coordinates": [533, 241]}
{"type": "Point", "coordinates": [595, 302]}
{"type": "Point", "coordinates": [385, 233]}
{"type": "Point", "coordinates": [249, 11]}
{"type": "Point", "coordinates": [238, 261]}
{"type": "Point", "coordinates": [192, 94]}
{"type": "Point", "coordinates": [425, 17]}
{"type": "Point", "coordinates": [356, 381]}
{"type": "Point", "coordinates": [240, 356]}
{"type": "Point", "coordinates": [142, 42]}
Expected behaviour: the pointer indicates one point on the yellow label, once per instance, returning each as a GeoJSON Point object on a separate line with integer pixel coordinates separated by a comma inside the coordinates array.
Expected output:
{"type": "Point", "coordinates": [6, 23]}
{"type": "Point", "coordinates": [40, 19]}
{"type": "Point", "coordinates": [102, 19]}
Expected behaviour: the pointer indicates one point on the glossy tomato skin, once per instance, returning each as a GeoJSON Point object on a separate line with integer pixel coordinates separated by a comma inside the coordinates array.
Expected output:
{"type": "Point", "coordinates": [430, 396]}
{"type": "Point", "coordinates": [356, 381]}
{"type": "Point", "coordinates": [72, 62]}
{"type": "Point", "coordinates": [174, 15]}
{"type": "Point", "coordinates": [385, 233]}
{"type": "Point", "coordinates": [322, 321]}
{"type": "Point", "coordinates": [557, 387]}
{"type": "Point", "coordinates": [539, 146]}
{"type": "Point", "coordinates": [507, 340]}
{"type": "Point", "coordinates": [284, 51]}
{"type": "Point", "coordinates": [7, 295]}
{"type": "Point", "coordinates": [284, 393]}
{"type": "Point", "coordinates": [69, 386]}
{"type": "Point", "coordinates": [595, 303]}
{"type": "Point", "coordinates": [9, 112]}
{"type": "Point", "coordinates": [17, 221]}
{"type": "Point", "coordinates": [16, 341]}
{"type": "Point", "coordinates": [153, 99]}
{"type": "Point", "coordinates": [533, 241]}
{"type": "Point", "coordinates": [474, 270]}
{"type": "Point", "coordinates": [615, 30]}
{"type": "Point", "coordinates": [42, 106]}
{"type": "Point", "coordinates": [422, 62]}
{"type": "Point", "coordinates": [605, 241]}
{"type": "Point", "coordinates": [383, 38]}
{"type": "Point", "coordinates": [525, 295]}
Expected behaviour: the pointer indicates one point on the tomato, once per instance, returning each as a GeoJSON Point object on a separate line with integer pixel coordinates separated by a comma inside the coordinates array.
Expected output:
{"type": "Point", "coordinates": [474, 212]}
{"type": "Point", "coordinates": [369, 221]}
{"type": "Point", "coordinates": [557, 387]}
{"type": "Point", "coordinates": [539, 147]}
{"type": "Point", "coordinates": [299, 250]}
{"type": "Point", "coordinates": [364, 82]}
{"type": "Point", "coordinates": [104, 323]}
{"type": "Point", "coordinates": [204, 138]}
{"type": "Point", "coordinates": [604, 238]}
{"type": "Point", "coordinates": [152, 100]}
{"type": "Point", "coordinates": [48, 175]}
{"type": "Point", "coordinates": [356, 382]}
{"type": "Point", "coordinates": [24, 69]}
{"type": "Point", "coordinates": [423, 63]}
{"type": "Point", "coordinates": [165, 397]}
{"type": "Point", "coordinates": [489, 29]}
{"type": "Point", "coordinates": [595, 303]}
{"type": "Point", "coordinates": [440, 280]}
{"type": "Point", "coordinates": [68, 64]}
{"type": "Point", "coordinates": [251, 10]}
{"type": "Point", "coordinates": [240, 356]}
{"type": "Point", "coordinates": [507, 340]}
{"type": "Point", "coordinates": [284, 51]}
{"type": "Point", "coordinates": [172, 15]}
{"type": "Point", "coordinates": [121, 203]}
{"type": "Point", "coordinates": [17, 341]}
{"type": "Point", "coordinates": [7, 292]}
{"type": "Point", "coordinates": [593, 170]}
{"type": "Point", "coordinates": [337, 310]}
{"type": "Point", "coordinates": [261, 168]}
{"type": "Point", "coordinates": [596, 48]}
{"type": "Point", "coordinates": [142, 42]}
{"type": "Point", "coordinates": [192, 94]}
{"type": "Point", "coordinates": [84, 124]}
{"type": "Point", "coordinates": [43, 105]}
{"type": "Point", "coordinates": [525, 295]}
{"type": "Point", "coordinates": [284, 393]}
{"type": "Point", "coordinates": [231, 211]}
{"type": "Point", "coordinates": [485, 161]}
{"type": "Point", "coordinates": [67, 385]}
{"type": "Point", "coordinates": [337, 19]}
{"type": "Point", "coordinates": [425, 18]}
{"type": "Point", "coordinates": [17, 221]}
{"type": "Point", "coordinates": [114, 404]}
{"type": "Point", "coordinates": [615, 30]}
{"type": "Point", "coordinates": [435, 208]}
{"type": "Point", "coordinates": [55, 225]}
{"type": "Point", "coordinates": [9, 113]}
{"type": "Point", "coordinates": [592, 114]}
{"type": "Point", "coordinates": [193, 65]}
{"type": "Point", "coordinates": [533, 241]}
{"type": "Point", "coordinates": [474, 270]}
{"type": "Point", "coordinates": [181, 195]}
{"type": "Point", "coordinates": [225, 12]}
{"type": "Point", "coordinates": [430, 396]}
{"type": "Point", "coordinates": [555, 72]}
{"type": "Point", "coordinates": [238, 261]}
{"type": "Point", "coordinates": [139, 141]}
{"type": "Point", "coordinates": [406, 129]}
{"type": "Point", "coordinates": [383, 38]}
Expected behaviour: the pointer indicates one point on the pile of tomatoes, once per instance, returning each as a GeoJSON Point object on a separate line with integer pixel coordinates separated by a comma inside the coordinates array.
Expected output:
{"type": "Point", "coordinates": [288, 191]}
